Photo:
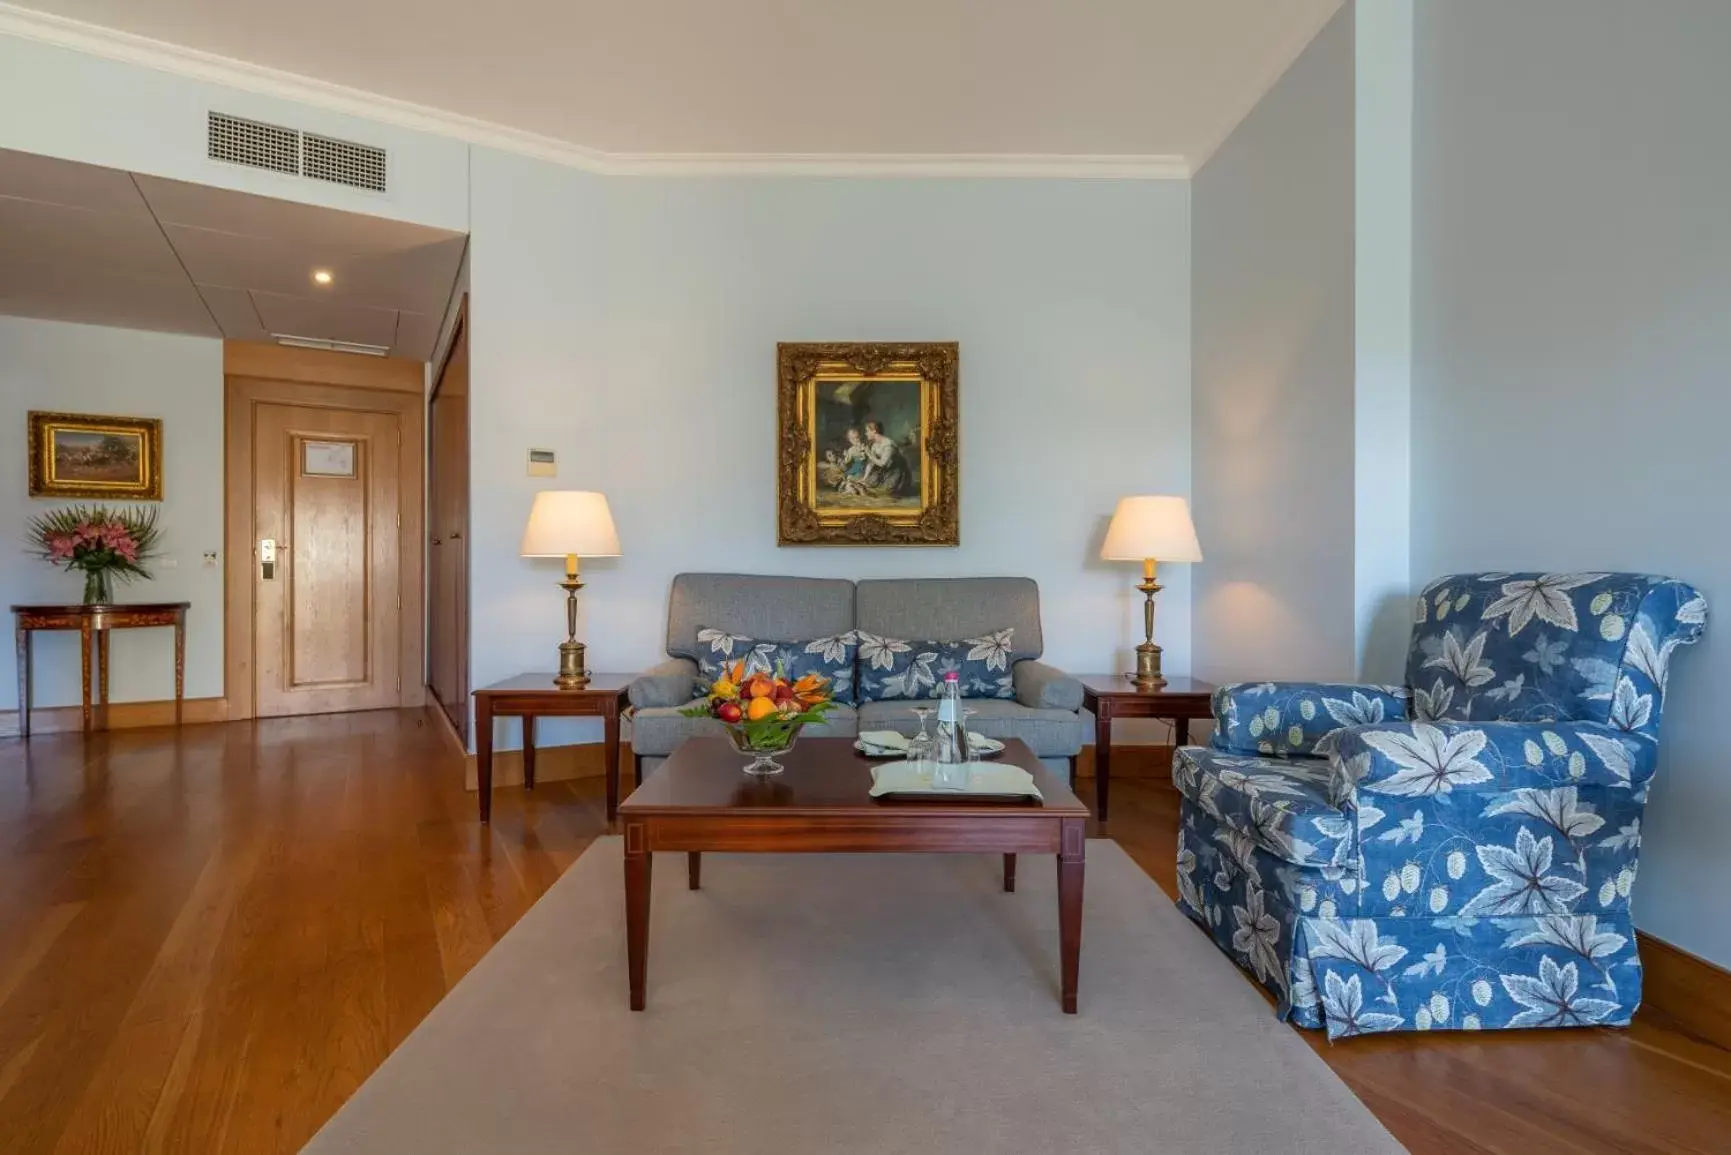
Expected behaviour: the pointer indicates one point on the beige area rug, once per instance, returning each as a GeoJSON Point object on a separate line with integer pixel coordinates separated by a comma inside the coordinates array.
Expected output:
{"type": "Point", "coordinates": [853, 1003]}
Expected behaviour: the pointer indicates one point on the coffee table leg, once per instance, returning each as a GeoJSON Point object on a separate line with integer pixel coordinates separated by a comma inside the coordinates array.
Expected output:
{"type": "Point", "coordinates": [1009, 874]}
{"type": "Point", "coordinates": [638, 862]}
{"type": "Point", "coordinates": [694, 869]}
{"type": "Point", "coordinates": [1070, 861]}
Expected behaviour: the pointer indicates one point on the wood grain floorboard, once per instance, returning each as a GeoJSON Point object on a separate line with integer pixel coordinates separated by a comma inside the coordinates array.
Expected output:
{"type": "Point", "coordinates": [210, 937]}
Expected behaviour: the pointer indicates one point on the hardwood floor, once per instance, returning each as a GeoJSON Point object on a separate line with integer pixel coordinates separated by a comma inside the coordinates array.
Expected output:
{"type": "Point", "coordinates": [209, 938]}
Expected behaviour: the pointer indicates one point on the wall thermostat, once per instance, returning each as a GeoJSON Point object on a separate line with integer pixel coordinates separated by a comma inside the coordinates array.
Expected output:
{"type": "Point", "coordinates": [543, 463]}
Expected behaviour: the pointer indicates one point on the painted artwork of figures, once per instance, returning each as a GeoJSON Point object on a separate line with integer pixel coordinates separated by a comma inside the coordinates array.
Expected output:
{"type": "Point", "coordinates": [868, 436]}
{"type": "Point", "coordinates": [867, 448]}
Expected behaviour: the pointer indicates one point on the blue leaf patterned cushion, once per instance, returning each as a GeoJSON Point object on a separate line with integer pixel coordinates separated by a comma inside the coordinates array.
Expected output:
{"type": "Point", "coordinates": [894, 669]}
{"type": "Point", "coordinates": [832, 657]}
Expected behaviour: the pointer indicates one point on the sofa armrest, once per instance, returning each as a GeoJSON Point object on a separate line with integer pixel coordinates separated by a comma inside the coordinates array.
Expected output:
{"type": "Point", "coordinates": [1430, 758]}
{"type": "Point", "coordinates": [1045, 687]}
{"type": "Point", "coordinates": [1303, 718]}
{"type": "Point", "coordinates": [670, 683]}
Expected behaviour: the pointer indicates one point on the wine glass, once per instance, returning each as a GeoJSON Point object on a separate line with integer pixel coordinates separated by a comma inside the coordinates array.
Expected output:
{"type": "Point", "coordinates": [973, 751]}
{"type": "Point", "coordinates": [920, 745]}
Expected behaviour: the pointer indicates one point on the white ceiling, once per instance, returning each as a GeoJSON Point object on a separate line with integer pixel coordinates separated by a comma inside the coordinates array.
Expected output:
{"type": "Point", "coordinates": [104, 247]}
{"type": "Point", "coordinates": [1103, 78]}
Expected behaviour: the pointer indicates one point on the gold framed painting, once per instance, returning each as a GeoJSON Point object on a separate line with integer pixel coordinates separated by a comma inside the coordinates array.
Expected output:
{"type": "Point", "coordinates": [868, 447]}
{"type": "Point", "coordinates": [88, 455]}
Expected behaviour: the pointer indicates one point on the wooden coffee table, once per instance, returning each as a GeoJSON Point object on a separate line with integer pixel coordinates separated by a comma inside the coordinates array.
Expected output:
{"type": "Point", "coordinates": [700, 799]}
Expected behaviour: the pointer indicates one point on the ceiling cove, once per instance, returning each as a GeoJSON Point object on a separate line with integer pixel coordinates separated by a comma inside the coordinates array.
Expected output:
{"type": "Point", "coordinates": [1113, 89]}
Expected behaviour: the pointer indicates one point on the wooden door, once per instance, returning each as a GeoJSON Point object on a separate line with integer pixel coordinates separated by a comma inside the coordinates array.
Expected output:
{"type": "Point", "coordinates": [323, 461]}
{"type": "Point", "coordinates": [326, 623]}
{"type": "Point", "coordinates": [447, 534]}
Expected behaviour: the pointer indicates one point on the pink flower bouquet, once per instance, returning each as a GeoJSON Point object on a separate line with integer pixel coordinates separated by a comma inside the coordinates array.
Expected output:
{"type": "Point", "coordinates": [104, 543]}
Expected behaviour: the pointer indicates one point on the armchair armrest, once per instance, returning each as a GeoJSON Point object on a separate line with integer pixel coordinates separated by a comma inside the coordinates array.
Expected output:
{"type": "Point", "coordinates": [1429, 758]}
{"type": "Point", "coordinates": [1045, 687]}
{"type": "Point", "coordinates": [670, 683]}
{"type": "Point", "coordinates": [1303, 718]}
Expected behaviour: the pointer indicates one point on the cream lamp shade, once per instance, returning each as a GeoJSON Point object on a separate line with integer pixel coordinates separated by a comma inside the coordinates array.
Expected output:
{"type": "Point", "coordinates": [1151, 527]}
{"type": "Point", "coordinates": [570, 523]}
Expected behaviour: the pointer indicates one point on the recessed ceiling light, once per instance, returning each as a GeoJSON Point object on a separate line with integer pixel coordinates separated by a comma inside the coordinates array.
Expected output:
{"type": "Point", "coordinates": [322, 276]}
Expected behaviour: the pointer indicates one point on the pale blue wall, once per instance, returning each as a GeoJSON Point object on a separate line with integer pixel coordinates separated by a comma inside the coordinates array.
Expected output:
{"type": "Point", "coordinates": [1572, 307]}
{"type": "Point", "coordinates": [1272, 284]}
{"type": "Point", "coordinates": [630, 324]}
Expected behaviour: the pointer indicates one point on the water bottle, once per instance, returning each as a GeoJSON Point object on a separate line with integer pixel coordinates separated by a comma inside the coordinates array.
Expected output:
{"type": "Point", "coordinates": [950, 747]}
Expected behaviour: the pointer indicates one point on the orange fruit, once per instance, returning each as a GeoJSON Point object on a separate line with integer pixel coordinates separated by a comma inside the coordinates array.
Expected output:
{"type": "Point", "coordinates": [760, 709]}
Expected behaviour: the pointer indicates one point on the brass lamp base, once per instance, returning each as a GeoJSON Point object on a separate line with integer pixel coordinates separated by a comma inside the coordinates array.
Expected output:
{"type": "Point", "coordinates": [573, 675]}
{"type": "Point", "coordinates": [573, 672]}
{"type": "Point", "coordinates": [1147, 675]}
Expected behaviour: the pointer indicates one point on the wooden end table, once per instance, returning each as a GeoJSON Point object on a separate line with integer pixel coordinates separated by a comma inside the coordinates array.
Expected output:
{"type": "Point", "coordinates": [531, 696]}
{"type": "Point", "coordinates": [701, 799]}
{"type": "Point", "coordinates": [93, 622]}
{"type": "Point", "coordinates": [1111, 696]}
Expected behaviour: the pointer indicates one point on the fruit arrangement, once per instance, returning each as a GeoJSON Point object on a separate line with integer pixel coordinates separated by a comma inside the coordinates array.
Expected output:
{"type": "Point", "coordinates": [764, 711]}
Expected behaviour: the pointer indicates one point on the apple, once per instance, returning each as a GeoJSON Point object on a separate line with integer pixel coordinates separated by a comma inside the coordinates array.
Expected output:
{"type": "Point", "coordinates": [728, 712]}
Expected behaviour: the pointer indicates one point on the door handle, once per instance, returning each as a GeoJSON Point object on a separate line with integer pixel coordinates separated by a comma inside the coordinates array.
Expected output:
{"type": "Point", "coordinates": [267, 558]}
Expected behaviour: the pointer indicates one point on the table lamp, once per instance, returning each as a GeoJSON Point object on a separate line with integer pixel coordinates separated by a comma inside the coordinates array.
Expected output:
{"type": "Point", "coordinates": [1150, 530]}
{"type": "Point", "coordinates": [570, 524]}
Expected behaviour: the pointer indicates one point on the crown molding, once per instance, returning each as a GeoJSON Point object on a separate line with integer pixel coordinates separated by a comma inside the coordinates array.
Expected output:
{"type": "Point", "coordinates": [195, 64]}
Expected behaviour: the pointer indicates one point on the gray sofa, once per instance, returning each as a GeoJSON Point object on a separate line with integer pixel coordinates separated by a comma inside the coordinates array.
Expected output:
{"type": "Point", "coordinates": [1046, 712]}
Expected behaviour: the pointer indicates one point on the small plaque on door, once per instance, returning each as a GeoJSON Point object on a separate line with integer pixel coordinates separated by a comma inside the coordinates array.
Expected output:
{"type": "Point", "coordinates": [328, 458]}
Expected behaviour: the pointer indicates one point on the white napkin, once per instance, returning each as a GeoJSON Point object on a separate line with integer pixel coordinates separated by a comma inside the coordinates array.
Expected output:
{"type": "Point", "coordinates": [985, 778]}
{"type": "Point", "coordinates": [887, 740]}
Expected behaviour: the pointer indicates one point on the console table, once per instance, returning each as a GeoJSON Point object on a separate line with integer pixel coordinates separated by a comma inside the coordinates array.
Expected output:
{"type": "Point", "coordinates": [93, 622]}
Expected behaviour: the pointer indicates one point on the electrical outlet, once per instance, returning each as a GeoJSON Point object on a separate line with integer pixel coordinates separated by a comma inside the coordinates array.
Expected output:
{"type": "Point", "coordinates": [210, 559]}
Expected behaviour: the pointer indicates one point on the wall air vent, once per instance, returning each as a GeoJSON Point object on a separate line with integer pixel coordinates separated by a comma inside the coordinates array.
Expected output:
{"type": "Point", "coordinates": [341, 162]}
{"type": "Point", "coordinates": [257, 145]}
{"type": "Point", "coordinates": [235, 140]}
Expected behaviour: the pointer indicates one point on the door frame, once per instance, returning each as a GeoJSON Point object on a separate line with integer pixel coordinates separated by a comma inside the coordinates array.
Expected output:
{"type": "Point", "coordinates": [457, 713]}
{"type": "Point", "coordinates": [255, 374]}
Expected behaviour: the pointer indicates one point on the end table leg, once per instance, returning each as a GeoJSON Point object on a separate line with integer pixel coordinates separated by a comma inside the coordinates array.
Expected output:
{"type": "Point", "coordinates": [179, 666]}
{"type": "Point", "coordinates": [484, 756]}
{"type": "Point", "coordinates": [638, 863]}
{"type": "Point", "coordinates": [1009, 874]}
{"type": "Point", "coordinates": [24, 687]}
{"type": "Point", "coordinates": [1070, 862]}
{"type": "Point", "coordinates": [84, 643]}
{"type": "Point", "coordinates": [528, 751]}
{"type": "Point", "coordinates": [1181, 731]}
{"type": "Point", "coordinates": [102, 673]}
{"type": "Point", "coordinates": [1102, 760]}
{"type": "Point", "coordinates": [694, 869]}
{"type": "Point", "coordinates": [610, 751]}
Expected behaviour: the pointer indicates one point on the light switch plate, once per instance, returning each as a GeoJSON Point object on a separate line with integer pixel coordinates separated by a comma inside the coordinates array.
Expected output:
{"type": "Point", "coordinates": [543, 463]}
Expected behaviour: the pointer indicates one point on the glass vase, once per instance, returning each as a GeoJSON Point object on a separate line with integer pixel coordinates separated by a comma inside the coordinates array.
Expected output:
{"type": "Point", "coordinates": [763, 763]}
{"type": "Point", "coordinates": [98, 587]}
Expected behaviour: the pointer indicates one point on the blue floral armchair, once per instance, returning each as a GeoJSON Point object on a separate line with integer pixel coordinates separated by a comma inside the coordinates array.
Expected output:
{"type": "Point", "coordinates": [1458, 852]}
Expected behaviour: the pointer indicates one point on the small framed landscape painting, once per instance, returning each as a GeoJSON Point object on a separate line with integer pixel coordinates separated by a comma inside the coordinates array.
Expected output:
{"type": "Point", "coordinates": [868, 451]}
{"type": "Point", "coordinates": [85, 455]}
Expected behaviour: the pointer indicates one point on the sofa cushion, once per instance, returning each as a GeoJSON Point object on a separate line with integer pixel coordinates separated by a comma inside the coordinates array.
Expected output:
{"type": "Point", "coordinates": [951, 608]}
{"type": "Point", "coordinates": [1049, 733]}
{"type": "Point", "coordinates": [894, 669]}
{"type": "Point", "coordinates": [831, 658]}
{"type": "Point", "coordinates": [1287, 806]}
{"type": "Point", "coordinates": [755, 607]}
{"type": "Point", "coordinates": [657, 732]}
